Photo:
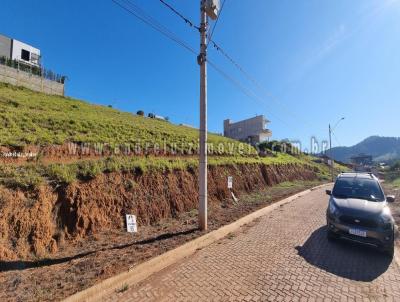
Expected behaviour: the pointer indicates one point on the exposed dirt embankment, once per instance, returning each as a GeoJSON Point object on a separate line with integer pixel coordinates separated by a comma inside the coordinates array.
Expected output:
{"type": "Point", "coordinates": [34, 224]}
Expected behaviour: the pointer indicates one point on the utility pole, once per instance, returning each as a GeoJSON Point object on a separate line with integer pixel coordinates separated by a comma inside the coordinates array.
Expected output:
{"type": "Point", "coordinates": [202, 61]}
{"type": "Point", "coordinates": [330, 146]}
{"type": "Point", "coordinates": [330, 150]}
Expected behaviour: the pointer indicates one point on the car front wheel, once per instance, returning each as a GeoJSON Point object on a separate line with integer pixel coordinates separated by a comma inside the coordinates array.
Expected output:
{"type": "Point", "coordinates": [331, 236]}
{"type": "Point", "coordinates": [388, 249]}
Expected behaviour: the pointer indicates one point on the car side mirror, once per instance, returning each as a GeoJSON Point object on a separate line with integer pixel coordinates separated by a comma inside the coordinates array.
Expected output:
{"type": "Point", "coordinates": [390, 198]}
{"type": "Point", "coordinates": [329, 192]}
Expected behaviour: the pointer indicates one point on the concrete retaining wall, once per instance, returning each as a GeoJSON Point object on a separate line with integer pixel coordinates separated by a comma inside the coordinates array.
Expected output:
{"type": "Point", "coordinates": [21, 78]}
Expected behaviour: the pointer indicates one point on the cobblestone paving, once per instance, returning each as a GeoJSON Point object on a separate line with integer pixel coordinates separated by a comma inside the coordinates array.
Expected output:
{"type": "Point", "coordinates": [283, 256]}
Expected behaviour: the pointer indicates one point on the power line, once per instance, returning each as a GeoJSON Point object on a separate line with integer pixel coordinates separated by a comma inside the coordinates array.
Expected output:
{"type": "Point", "coordinates": [249, 93]}
{"type": "Point", "coordinates": [231, 60]}
{"type": "Point", "coordinates": [216, 22]}
{"type": "Point", "coordinates": [337, 140]}
{"type": "Point", "coordinates": [187, 21]}
{"type": "Point", "coordinates": [256, 83]}
{"type": "Point", "coordinates": [144, 17]}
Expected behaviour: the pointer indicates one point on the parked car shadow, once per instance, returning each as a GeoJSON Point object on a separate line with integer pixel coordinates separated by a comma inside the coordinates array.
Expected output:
{"type": "Point", "coordinates": [344, 258]}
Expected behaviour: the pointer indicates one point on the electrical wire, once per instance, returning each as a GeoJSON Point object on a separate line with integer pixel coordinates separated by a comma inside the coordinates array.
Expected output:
{"type": "Point", "coordinates": [144, 17]}
{"type": "Point", "coordinates": [246, 91]}
{"type": "Point", "coordinates": [258, 85]}
{"type": "Point", "coordinates": [187, 21]}
{"type": "Point", "coordinates": [216, 22]}
{"type": "Point", "coordinates": [337, 140]}
{"type": "Point", "coordinates": [237, 65]}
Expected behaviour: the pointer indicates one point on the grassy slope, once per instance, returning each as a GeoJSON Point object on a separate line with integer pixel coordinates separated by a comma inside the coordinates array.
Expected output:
{"type": "Point", "coordinates": [396, 182]}
{"type": "Point", "coordinates": [393, 180]}
{"type": "Point", "coordinates": [32, 175]}
{"type": "Point", "coordinates": [28, 117]}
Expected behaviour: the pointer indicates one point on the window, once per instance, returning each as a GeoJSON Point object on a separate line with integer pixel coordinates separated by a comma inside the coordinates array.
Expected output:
{"type": "Point", "coordinates": [353, 187]}
{"type": "Point", "coordinates": [25, 55]}
{"type": "Point", "coordinates": [34, 58]}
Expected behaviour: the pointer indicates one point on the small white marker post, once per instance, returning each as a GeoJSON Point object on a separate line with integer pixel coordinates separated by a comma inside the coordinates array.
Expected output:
{"type": "Point", "coordinates": [230, 182]}
{"type": "Point", "coordinates": [131, 226]}
{"type": "Point", "coordinates": [230, 187]}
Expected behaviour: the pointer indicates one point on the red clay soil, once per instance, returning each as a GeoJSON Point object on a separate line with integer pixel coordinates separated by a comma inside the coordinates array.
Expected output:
{"type": "Point", "coordinates": [33, 223]}
{"type": "Point", "coordinates": [55, 242]}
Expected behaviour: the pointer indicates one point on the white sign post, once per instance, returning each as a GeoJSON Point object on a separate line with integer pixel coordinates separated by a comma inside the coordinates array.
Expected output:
{"type": "Point", "coordinates": [230, 182]}
{"type": "Point", "coordinates": [131, 225]}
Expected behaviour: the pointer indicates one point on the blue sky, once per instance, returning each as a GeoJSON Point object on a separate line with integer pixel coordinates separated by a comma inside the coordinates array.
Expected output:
{"type": "Point", "coordinates": [315, 60]}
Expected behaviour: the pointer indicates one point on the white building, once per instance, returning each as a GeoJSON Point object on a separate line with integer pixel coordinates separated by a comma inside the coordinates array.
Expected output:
{"type": "Point", "coordinates": [20, 51]}
{"type": "Point", "coordinates": [252, 130]}
{"type": "Point", "coordinates": [25, 53]}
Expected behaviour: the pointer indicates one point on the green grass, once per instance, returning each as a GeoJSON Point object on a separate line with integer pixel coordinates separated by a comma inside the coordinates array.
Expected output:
{"type": "Point", "coordinates": [28, 117]}
{"type": "Point", "coordinates": [33, 175]}
{"type": "Point", "coordinates": [122, 289]}
{"type": "Point", "coordinates": [392, 177]}
{"type": "Point", "coordinates": [396, 182]}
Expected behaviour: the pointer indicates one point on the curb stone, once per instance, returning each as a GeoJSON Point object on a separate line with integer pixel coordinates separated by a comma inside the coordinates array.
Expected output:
{"type": "Point", "coordinates": [146, 269]}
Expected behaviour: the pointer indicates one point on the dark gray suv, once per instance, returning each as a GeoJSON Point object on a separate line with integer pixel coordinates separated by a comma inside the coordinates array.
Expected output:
{"type": "Point", "coordinates": [358, 210]}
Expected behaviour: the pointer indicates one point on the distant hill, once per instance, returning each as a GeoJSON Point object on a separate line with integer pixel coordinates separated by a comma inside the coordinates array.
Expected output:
{"type": "Point", "coordinates": [382, 149]}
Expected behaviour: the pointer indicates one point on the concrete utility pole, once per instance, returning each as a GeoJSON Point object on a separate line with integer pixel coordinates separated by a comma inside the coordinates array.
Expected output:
{"type": "Point", "coordinates": [330, 150]}
{"type": "Point", "coordinates": [202, 60]}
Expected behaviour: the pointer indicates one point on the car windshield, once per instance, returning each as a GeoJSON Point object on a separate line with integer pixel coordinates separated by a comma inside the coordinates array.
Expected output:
{"type": "Point", "coordinates": [361, 188]}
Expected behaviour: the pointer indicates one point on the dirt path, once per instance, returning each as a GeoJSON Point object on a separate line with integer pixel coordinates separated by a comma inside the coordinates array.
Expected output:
{"type": "Point", "coordinates": [283, 256]}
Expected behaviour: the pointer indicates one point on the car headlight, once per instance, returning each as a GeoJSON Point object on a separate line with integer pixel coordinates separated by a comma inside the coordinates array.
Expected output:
{"type": "Point", "coordinates": [386, 218]}
{"type": "Point", "coordinates": [333, 209]}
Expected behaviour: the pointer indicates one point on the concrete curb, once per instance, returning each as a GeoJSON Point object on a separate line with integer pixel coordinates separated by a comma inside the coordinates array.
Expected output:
{"type": "Point", "coordinates": [146, 269]}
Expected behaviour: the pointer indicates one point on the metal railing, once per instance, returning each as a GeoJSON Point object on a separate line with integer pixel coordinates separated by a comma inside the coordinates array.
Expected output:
{"type": "Point", "coordinates": [34, 70]}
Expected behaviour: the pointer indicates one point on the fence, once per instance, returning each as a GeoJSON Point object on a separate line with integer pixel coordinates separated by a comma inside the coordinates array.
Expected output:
{"type": "Point", "coordinates": [20, 77]}
{"type": "Point", "coordinates": [34, 70]}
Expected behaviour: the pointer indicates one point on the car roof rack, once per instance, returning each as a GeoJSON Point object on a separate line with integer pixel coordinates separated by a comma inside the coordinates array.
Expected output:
{"type": "Point", "coordinates": [357, 174]}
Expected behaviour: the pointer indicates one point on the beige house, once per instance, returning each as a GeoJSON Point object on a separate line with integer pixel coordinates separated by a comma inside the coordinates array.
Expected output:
{"type": "Point", "coordinates": [252, 130]}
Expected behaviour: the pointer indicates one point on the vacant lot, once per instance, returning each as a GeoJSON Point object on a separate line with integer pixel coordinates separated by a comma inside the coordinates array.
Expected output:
{"type": "Point", "coordinates": [105, 254]}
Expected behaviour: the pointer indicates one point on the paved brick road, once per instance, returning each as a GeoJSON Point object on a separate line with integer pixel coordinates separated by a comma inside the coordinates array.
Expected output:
{"type": "Point", "coordinates": [283, 256]}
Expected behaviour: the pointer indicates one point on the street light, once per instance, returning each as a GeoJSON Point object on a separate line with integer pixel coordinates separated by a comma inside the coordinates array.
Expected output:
{"type": "Point", "coordinates": [330, 144]}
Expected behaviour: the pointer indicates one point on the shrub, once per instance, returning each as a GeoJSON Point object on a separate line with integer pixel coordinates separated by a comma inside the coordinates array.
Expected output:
{"type": "Point", "coordinates": [25, 177]}
{"type": "Point", "coordinates": [395, 166]}
{"type": "Point", "coordinates": [278, 146]}
{"type": "Point", "coordinates": [62, 173]}
{"type": "Point", "coordinates": [90, 169]}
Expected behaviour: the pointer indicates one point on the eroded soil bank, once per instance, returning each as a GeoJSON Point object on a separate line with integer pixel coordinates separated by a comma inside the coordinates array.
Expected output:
{"type": "Point", "coordinates": [35, 224]}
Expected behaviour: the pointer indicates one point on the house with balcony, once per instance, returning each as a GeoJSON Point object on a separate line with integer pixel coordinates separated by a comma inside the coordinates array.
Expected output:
{"type": "Point", "coordinates": [20, 65]}
{"type": "Point", "coordinates": [252, 130]}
